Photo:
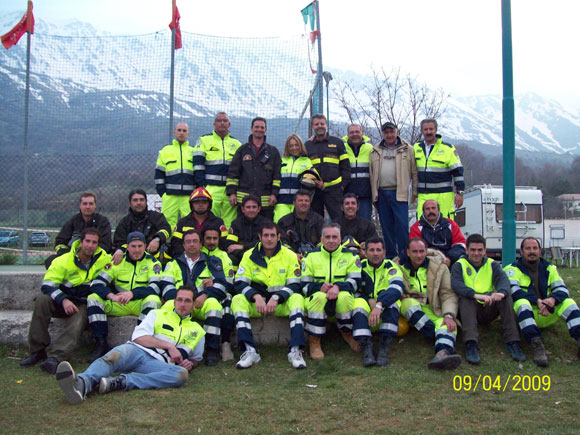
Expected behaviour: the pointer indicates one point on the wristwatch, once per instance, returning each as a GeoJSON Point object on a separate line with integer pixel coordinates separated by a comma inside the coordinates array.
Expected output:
{"type": "Point", "coordinates": [380, 306]}
{"type": "Point", "coordinates": [276, 298]}
{"type": "Point", "coordinates": [448, 316]}
{"type": "Point", "coordinates": [460, 192]}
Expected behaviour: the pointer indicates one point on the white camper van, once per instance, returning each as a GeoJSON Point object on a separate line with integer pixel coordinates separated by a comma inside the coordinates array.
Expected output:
{"type": "Point", "coordinates": [482, 213]}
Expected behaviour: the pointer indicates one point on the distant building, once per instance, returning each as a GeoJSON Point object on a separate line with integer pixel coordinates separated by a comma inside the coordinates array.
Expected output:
{"type": "Point", "coordinates": [571, 203]}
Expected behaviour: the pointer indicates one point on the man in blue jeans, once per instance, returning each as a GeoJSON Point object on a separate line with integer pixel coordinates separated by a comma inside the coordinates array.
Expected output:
{"type": "Point", "coordinates": [392, 171]}
{"type": "Point", "coordinates": [162, 351]}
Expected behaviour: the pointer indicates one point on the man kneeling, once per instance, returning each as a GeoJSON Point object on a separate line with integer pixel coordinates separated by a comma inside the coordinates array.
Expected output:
{"type": "Point", "coordinates": [268, 282]}
{"type": "Point", "coordinates": [162, 350]}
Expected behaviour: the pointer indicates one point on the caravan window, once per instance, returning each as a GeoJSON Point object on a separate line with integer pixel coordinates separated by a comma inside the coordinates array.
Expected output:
{"type": "Point", "coordinates": [532, 214]}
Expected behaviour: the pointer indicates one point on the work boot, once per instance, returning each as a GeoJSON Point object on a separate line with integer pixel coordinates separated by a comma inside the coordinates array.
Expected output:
{"type": "Point", "coordinates": [49, 365]}
{"type": "Point", "coordinates": [315, 350]}
{"type": "Point", "coordinates": [71, 385]}
{"type": "Point", "coordinates": [383, 354]}
{"type": "Point", "coordinates": [227, 354]}
{"type": "Point", "coordinates": [112, 383]}
{"type": "Point", "coordinates": [516, 351]}
{"type": "Point", "coordinates": [472, 353]}
{"type": "Point", "coordinates": [101, 348]}
{"type": "Point", "coordinates": [540, 357]}
{"type": "Point", "coordinates": [33, 358]}
{"type": "Point", "coordinates": [445, 360]}
{"type": "Point", "coordinates": [368, 357]}
{"type": "Point", "coordinates": [211, 357]}
{"type": "Point", "coordinates": [248, 358]}
{"type": "Point", "coordinates": [347, 336]}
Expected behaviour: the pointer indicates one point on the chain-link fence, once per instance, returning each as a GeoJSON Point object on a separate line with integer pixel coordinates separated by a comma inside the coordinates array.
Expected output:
{"type": "Point", "coordinates": [99, 112]}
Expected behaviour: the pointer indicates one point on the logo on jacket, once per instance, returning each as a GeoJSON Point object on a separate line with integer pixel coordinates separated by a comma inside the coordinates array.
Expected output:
{"type": "Point", "coordinates": [247, 157]}
{"type": "Point", "coordinates": [393, 272]}
{"type": "Point", "coordinates": [157, 269]}
{"type": "Point", "coordinates": [469, 272]}
{"type": "Point", "coordinates": [297, 273]}
{"type": "Point", "coordinates": [357, 262]}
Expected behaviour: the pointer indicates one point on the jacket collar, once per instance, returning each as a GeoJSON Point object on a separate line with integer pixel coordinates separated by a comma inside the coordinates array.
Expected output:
{"type": "Point", "coordinates": [258, 254]}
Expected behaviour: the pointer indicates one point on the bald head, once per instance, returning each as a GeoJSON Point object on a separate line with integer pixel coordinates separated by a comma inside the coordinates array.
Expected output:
{"type": "Point", "coordinates": [181, 132]}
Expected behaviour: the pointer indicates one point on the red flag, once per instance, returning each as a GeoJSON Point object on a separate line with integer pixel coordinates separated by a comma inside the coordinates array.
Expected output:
{"type": "Point", "coordinates": [26, 24]}
{"type": "Point", "coordinates": [175, 25]}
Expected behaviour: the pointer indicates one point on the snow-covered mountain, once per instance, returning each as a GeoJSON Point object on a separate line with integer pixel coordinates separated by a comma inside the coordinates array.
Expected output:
{"type": "Point", "coordinates": [126, 83]}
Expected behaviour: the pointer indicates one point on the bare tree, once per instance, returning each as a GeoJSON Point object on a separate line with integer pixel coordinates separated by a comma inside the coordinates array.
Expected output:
{"type": "Point", "coordinates": [390, 97]}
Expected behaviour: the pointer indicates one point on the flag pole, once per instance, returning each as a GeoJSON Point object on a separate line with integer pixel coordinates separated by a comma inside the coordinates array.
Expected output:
{"type": "Point", "coordinates": [172, 78]}
{"type": "Point", "coordinates": [319, 78]}
{"type": "Point", "coordinates": [25, 171]}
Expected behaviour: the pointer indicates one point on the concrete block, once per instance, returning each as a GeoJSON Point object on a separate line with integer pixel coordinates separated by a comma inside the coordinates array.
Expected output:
{"type": "Point", "coordinates": [14, 325]}
{"type": "Point", "coordinates": [18, 289]}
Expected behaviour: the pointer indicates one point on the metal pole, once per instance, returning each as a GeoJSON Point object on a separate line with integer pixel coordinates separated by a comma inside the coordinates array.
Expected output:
{"type": "Point", "coordinates": [509, 187]}
{"type": "Point", "coordinates": [171, 85]}
{"type": "Point", "coordinates": [25, 171]}
{"type": "Point", "coordinates": [320, 108]}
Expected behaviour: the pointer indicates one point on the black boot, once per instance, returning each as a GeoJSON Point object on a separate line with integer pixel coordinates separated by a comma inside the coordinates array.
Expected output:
{"type": "Point", "coordinates": [383, 355]}
{"type": "Point", "coordinates": [101, 348]}
{"type": "Point", "coordinates": [33, 358]}
{"type": "Point", "coordinates": [211, 357]}
{"type": "Point", "coordinates": [368, 353]}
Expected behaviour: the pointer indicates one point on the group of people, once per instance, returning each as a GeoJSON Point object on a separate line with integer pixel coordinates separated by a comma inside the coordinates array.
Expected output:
{"type": "Point", "coordinates": [242, 234]}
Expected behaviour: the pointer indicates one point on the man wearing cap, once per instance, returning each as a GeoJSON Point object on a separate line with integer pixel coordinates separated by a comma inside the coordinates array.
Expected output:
{"type": "Point", "coordinates": [329, 158]}
{"type": "Point", "coordinates": [255, 169]}
{"type": "Point", "coordinates": [149, 222]}
{"type": "Point", "coordinates": [212, 157]}
{"type": "Point", "coordinates": [130, 288]}
{"type": "Point", "coordinates": [440, 170]}
{"type": "Point", "coordinates": [174, 175]}
{"type": "Point", "coordinates": [392, 170]}
{"type": "Point", "coordinates": [201, 217]}
{"type": "Point", "coordinates": [162, 351]}
{"type": "Point", "coordinates": [303, 226]}
{"type": "Point", "coordinates": [358, 148]}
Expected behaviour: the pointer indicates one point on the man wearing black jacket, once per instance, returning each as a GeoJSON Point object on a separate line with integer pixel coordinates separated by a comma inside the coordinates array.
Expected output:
{"type": "Point", "coordinates": [353, 225]}
{"type": "Point", "coordinates": [245, 230]}
{"type": "Point", "coordinates": [86, 218]}
{"type": "Point", "coordinates": [149, 222]}
{"type": "Point", "coordinates": [302, 226]}
{"type": "Point", "coordinates": [201, 217]}
{"type": "Point", "coordinates": [329, 158]}
{"type": "Point", "coordinates": [255, 169]}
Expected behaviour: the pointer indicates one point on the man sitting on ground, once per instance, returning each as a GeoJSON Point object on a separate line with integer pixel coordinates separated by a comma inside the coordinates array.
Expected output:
{"type": "Point", "coordinates": [162, 351]}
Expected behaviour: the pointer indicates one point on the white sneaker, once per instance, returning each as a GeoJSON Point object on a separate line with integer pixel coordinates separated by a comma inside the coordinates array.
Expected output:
{"type": "Point", "coordinates": [296, 359]}
{"type": "Point", "coordinates": [248, 358]}
{"type": "Point", "coordinates": [227, 354]}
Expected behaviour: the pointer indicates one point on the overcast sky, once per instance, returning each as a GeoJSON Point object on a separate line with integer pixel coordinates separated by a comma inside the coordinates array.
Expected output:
{"type": "Point", "coordinates": [452, 44]}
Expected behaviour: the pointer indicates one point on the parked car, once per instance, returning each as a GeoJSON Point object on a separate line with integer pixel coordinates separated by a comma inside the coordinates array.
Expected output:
{"type": "Point", "coordinates": [39, 238]}
{"type": "Point", "coordinates": [9, 238]}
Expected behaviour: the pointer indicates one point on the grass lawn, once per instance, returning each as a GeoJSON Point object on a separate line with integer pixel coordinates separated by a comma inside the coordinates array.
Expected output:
{"type": "Point", "coordinates": [335, 395]}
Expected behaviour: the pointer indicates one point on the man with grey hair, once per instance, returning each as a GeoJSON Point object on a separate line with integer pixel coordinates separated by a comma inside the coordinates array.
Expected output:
{"type": "Point", "coordinates": [440, 171]}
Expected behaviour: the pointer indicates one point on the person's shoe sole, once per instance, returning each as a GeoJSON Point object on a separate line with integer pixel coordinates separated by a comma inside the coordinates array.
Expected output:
{"type": "Point", "coordinates": [65, 376]}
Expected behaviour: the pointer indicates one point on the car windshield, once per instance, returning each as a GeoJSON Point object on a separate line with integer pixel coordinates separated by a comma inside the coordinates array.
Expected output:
{"type": "Point", "coordinates": [37, 234]}
{"type": "Point", "coordinates": [4, 233]}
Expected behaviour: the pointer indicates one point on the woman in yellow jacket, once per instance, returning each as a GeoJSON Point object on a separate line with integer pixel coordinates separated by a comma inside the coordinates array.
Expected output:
{"type": "Point", "coordinates": [294, 162]}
